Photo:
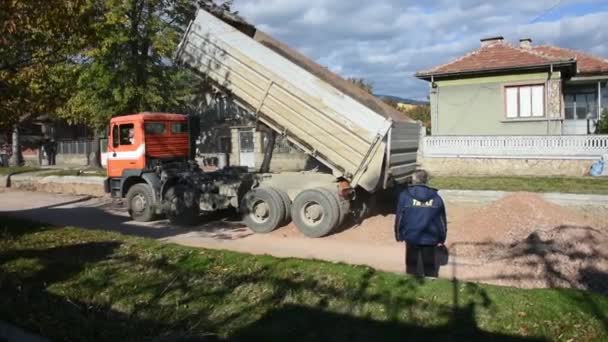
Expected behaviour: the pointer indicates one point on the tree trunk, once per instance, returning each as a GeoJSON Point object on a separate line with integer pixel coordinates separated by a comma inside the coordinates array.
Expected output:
{"type": "Point", "coordinates": [95, 157]}
{"type": "Point", "coordinates": [16, 146]}
{"type": "Point", "coordinates": [272, 137]}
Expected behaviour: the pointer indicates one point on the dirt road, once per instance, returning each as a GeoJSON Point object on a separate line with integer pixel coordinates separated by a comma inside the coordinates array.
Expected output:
{"type": "Point", "coordinates": [484, 246]}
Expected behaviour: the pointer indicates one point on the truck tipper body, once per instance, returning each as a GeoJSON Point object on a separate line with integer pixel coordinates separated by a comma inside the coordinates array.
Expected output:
{"type": "Point", "coordinates": [367, 145]}
{"type": "Point", "coordinates": [347, 129]}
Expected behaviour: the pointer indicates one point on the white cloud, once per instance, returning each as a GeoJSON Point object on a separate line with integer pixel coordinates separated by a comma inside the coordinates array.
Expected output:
{"type": "Point", "coordinates": [387, 41]}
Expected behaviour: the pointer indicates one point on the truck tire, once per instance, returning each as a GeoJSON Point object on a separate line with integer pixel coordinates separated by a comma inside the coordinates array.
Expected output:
{"type": "Point", "coordinates": [263, 210]}
{"type": "Point", "coordinates": [342, 205]}
{"type": "Point", "coordinates": [182, 206]}
{"type": "Point", "coordinates": [286, 204]}
{"type": "Point", "coordinates": [315, 212]}
{"type": "Point", "coordinates": [140, 201]}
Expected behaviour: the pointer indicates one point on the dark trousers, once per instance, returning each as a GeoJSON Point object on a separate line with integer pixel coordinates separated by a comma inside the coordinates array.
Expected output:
{"type": "Point", "coordinates": [420, 260]}
{"type": "Point", "coordinates": [50, 158]}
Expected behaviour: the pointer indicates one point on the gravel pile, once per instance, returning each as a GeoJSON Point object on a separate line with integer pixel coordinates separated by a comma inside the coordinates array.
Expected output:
{"type": "Point", "coordinates": [516, 216]}
{"type": "Point", "coordinates": [520, 240]}
{"type": "Point", "coordinates": [538, 244]}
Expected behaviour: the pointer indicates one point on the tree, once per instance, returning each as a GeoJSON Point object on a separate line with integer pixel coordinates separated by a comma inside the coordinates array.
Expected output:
{"type": "Point", "coordinates": [362, 83]}
{"type": "Point", "coordinates": [602, 125]}
{"type": "Point", "coordinates": [35, 36]}
{"type": "Point", "coordinates": [128, 68]}
{"type": "Point", "coordinates": [421, 113]}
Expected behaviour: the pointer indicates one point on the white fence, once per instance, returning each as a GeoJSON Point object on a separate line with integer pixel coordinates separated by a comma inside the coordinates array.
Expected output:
{"type": "Point", "coordinates": [516, 147]}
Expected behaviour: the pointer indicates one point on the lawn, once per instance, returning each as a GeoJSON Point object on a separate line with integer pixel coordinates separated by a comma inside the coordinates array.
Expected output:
{"type": "Point", "coordinates": [74, 284]}
{"type": "Point", "coordinates": [16, 169]}
{"type": "Point", "coordinates": [582, 185]}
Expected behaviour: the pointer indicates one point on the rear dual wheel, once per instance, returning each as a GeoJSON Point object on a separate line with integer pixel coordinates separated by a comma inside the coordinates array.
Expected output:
{"type": "Point", "coordinates": [316, 212]}
{"type": "Point", "coordinates": [265, 209]}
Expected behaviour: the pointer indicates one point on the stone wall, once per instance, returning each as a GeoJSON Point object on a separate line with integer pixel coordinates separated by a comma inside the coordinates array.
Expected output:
{"type": "Point", "coordinates": [505, 167]}
{"type": "Point", "coordinates": [77, 185]}
{"type": "Point", "coordinates": [32, 159]}
{"type": "Point", "coordinates": [72, 159]}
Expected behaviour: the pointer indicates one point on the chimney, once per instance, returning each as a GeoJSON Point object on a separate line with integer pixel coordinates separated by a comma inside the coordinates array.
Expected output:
{"type": "Point", "coordinates": [525, 43]}
{"type": "Point", "coordinates": [491, 40]}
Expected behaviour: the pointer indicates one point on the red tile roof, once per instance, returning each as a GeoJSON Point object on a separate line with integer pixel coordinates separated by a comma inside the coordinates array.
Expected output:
{"type": "Point", "coordinates": [501, 55]}
{"type": "Point", "coordinates": [586, 63]}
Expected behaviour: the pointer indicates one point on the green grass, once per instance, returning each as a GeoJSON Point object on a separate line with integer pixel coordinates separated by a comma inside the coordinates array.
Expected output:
{"type": "Point", "coordinates": [17, 169]}
{"type": "Point", "coordinates": [76, 284]}
{"type": "Point", "coordinates": [77, 172]}
{"type": "Point", "coordinates": [580, 185]}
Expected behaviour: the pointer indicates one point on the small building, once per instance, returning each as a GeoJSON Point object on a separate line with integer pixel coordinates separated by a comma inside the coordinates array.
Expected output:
{"type": "Point", "coordinates": [506, 109]}
{"type": "Point", "coordinates": [506, 89]}
{"type": "Point", "coordinates": [74, 142]}
{"type": "Point", "coordinates": [229, 136]}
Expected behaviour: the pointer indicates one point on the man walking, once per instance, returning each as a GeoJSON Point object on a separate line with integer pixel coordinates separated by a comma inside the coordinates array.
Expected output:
{"type": "Point", "coordinates": [5, 154]}
{"type": "Point", "coordinates": [421, 223]}
{"type": "Point", "coordinates": [52, 151]}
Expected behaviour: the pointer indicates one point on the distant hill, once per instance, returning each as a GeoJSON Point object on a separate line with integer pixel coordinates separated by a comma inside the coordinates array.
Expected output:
{"type": "Point", "coordinates": [402, 100]}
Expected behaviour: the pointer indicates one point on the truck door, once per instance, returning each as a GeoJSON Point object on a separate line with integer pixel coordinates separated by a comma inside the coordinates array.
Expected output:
{"type": "Point", "coordinates": [126, 150]}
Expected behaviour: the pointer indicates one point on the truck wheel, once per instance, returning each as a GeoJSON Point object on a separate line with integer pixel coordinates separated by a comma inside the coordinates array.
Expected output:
{"type": "Point", "coordinates": [286, 204]}
{"type": "Point", "coordinates": [343, 206]}
{"type": "Point", "coordinates": [139, 202]}
{"type": "Point", "coordinates": [263, 210]}
{"type": "Point", "coordinates": [182, 204]}
{"type": "Point", "coordinates": [315, 212]}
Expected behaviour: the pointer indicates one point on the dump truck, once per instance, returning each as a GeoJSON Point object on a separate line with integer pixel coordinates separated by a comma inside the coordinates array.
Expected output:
{"type": "Point", "coordinates": [367, 146]}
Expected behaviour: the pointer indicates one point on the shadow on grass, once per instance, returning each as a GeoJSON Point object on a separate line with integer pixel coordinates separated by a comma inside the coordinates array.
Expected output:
{"type": "Point", "coordinates": [301, 323]}
{"type": "Point", "coordinates": [563, 257]}
{"type": "Point", "coordinates": [109, 290]}
{"type": "Point", "coordinates": [93, 213]}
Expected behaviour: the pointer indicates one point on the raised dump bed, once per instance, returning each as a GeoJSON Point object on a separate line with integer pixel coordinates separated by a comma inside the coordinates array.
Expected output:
{"type": "Point", "coordinates": [361, 139]}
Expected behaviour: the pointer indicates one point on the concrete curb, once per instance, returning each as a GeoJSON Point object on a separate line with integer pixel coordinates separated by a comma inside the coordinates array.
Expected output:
{"type": "Point", "coordinates": [552, 197]}
{"type": "Point", "coordinates": [11, 333]}
{"type": "Point", "coordinates": [77, 185]}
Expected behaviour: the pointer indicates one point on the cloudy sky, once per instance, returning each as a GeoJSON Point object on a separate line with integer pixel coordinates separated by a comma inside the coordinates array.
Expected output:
{"type": "Point", "coordinates": [387, 41]}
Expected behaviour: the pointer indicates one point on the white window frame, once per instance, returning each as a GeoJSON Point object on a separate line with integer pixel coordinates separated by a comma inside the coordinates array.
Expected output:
{"type": "Point", "coordinates": [530, 88]}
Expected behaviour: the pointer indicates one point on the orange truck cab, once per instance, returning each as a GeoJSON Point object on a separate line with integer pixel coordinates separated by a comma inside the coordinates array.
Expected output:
{"type": "Point", "coordinates": [137, 142]}
{"type": "Point", "coordinates": [149, 164]}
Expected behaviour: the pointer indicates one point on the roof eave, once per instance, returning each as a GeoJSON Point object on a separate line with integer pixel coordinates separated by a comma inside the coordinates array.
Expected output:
{"type": "Point", "coordinates": [558, 64]}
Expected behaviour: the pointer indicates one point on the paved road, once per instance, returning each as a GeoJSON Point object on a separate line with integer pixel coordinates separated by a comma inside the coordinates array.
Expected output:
{"type": "Point", "coordinates": [227, 234]}
{"type": "Point", "coordinates": [216, 233]}
{"type": "Point", "coordinates": [369, 244]}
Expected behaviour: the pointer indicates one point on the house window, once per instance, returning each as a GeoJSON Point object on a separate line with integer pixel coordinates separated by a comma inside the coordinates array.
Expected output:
{"type": "Point", "coordinates": [581, 102]}
{"type": "Point", "coordinates": [525, 101]}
